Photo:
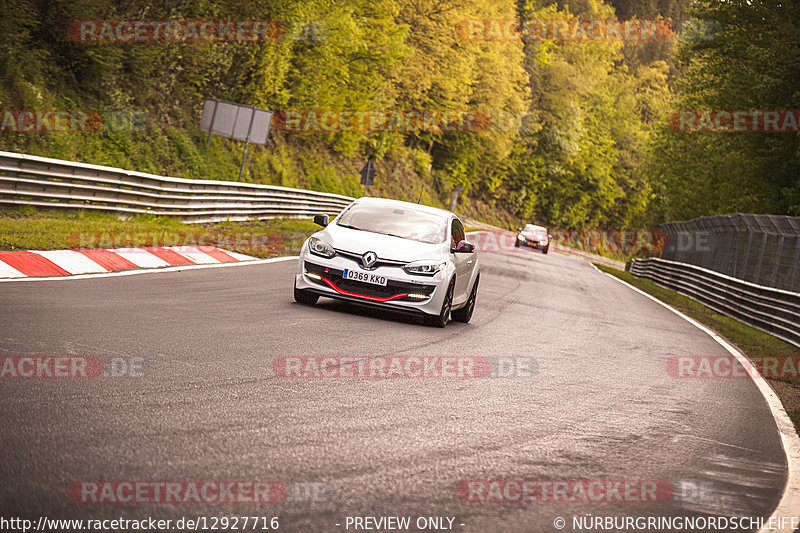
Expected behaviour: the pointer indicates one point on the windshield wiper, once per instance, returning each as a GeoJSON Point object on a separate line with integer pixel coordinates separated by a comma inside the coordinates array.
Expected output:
{"type": "Point", "coordinates": [393, 235]}
{"type": "Point", "coordinates": [372, 231]}
{"type": "Point", "coordinates": [348, 226]}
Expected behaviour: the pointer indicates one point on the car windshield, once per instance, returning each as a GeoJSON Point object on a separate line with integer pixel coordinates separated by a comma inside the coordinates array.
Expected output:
{"type": "Point", "coordinates": [396, 221]}
{"type": "Point", "coordinates": [538, 230]}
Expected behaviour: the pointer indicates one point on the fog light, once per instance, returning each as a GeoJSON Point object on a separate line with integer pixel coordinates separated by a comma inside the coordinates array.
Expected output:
{"type": "Point", "coordinates": [314, 276]}
{"type": "Point", "coordinates": [418, 296]}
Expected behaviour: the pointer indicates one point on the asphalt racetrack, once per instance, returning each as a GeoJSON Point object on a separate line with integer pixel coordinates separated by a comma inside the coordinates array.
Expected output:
{"type": "Point", "coordinates": [205, 403]}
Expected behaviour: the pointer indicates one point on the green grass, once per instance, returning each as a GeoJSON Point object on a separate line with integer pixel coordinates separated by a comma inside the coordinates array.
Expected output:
{"type": "Point", "coordinates": [753, 342]}
{"type": "Point", "coordinates": [29, 229]}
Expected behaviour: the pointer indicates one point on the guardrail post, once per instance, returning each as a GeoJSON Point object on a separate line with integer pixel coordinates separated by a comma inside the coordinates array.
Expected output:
{"type": "Point", "coordinates": [778, 254]}
{"type": "Point", "coordinates": [746, 256]}
{"type": "Point", "coordinates": [757, 273]}
{"type": "Point", "coordinates": [733, 255]}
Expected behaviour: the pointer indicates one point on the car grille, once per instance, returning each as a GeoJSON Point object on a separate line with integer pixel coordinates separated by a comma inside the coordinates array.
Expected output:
{"type": "Point", "coordinates": [378, 263]}
{"type": "Point", "coordinates": [368, 289]}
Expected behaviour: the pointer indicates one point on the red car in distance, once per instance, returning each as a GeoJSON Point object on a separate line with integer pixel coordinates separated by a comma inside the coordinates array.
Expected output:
{"type": "Point", "coordinates": [532, 236]}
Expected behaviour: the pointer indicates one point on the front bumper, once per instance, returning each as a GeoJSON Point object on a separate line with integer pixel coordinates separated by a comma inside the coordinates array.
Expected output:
{"type": "Point", "coordinates": [538, 245]}
{"type": "Point", "coordinates": [403, 292]}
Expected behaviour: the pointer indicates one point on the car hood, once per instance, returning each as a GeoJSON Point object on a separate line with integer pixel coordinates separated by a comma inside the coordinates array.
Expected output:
{"type": "Point", "coordinates": [386, 246]}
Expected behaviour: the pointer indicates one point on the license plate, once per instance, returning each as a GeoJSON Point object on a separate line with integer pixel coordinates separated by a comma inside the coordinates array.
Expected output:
{"type": "Point", "coordinates": [366, 277]}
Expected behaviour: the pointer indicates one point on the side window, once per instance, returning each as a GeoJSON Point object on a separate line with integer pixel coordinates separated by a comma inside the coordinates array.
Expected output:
{"type": "Point", "coordinates": [456, 233]}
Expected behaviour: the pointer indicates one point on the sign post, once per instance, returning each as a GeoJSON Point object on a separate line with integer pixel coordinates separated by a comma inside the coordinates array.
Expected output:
{"type": "Point", "coordinates": [244, 156]}
{"type": "Point", "coordinates": [235, 121]}
{"type": "Point", "coordinates": [368, 175]}
{"type": "Point", "coordinates": [247, 143]}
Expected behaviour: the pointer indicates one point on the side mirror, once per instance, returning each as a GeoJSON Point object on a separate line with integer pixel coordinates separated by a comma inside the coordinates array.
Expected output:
{"type": "Point", "coordinates": [549, 236]}
{"type": "Point", "coordinates": [322, 220]}
{"type": "Point", "coordinates": [464, 247]}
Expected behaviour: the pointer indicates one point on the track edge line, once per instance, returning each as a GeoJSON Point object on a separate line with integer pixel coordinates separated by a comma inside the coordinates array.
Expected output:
{"type": "Point", "coordinates": [790, 441]}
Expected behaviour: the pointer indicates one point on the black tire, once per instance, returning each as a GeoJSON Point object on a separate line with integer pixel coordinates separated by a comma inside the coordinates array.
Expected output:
{"type": "Point", "coordinates": [440, 320]}
{"type": "Point", "coordinates": [516, 243]}
{"type": "Point", "coordinates": [465, 313]}
{"type": "Point", "coordinates": [305, 297]}
{"type": "Point", "coordinates": [544, 250]}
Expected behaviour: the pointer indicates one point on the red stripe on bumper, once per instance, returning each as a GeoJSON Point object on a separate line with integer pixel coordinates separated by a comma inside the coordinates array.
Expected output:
{"type": "Point", "coordinates": [333, 286]}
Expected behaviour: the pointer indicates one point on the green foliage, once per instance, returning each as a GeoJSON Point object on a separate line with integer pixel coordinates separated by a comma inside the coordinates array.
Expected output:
{"type": "Point", "coordinates": [745, 58]}
{"type": "Point", "coordinates": [576, 138]}
{"type": "Point", "coordinates": [582, 164]}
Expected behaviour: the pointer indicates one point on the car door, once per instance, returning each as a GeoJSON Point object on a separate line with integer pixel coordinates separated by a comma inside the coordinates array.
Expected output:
{"type": "Point", "coordinates": [464, 262]}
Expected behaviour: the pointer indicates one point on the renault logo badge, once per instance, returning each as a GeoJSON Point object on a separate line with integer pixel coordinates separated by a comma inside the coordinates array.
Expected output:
{"type": "Point", "coordinates": [368, 259]}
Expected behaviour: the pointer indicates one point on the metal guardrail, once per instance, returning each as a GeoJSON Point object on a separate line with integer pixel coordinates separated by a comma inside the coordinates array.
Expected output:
{"type": "Point", "coordinates": [45, 182]}
{"type": "Point", "coordinates": [772, 310]}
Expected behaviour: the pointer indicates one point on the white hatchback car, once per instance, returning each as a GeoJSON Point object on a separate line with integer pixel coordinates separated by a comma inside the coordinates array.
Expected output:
{"type": "Point", "coordinates": [392, 254]}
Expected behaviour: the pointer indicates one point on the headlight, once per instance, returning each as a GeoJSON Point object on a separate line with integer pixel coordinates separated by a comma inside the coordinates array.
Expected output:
{"type": "Point", "coordinates": [424, 268]}
{"type": "Point", "coordinates": [520, 237]}
{"type": "Point", "coordinates": [320, 247]}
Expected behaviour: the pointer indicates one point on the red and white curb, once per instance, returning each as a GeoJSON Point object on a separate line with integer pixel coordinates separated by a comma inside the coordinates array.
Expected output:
{"type": "Point", "coordinates": [19, 265]}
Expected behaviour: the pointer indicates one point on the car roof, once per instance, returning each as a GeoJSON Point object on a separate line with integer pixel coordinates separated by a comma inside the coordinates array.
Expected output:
{"type": "Point", "coordinates": [533, 227]}
{"type": "Point", "coordinates": [405, 205]}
